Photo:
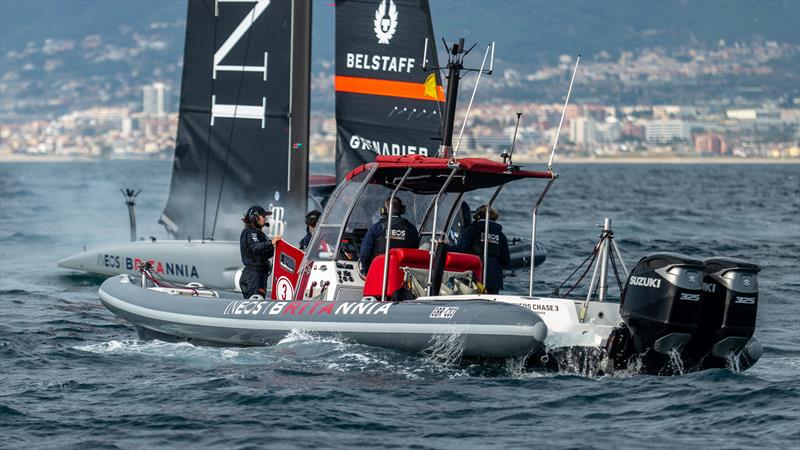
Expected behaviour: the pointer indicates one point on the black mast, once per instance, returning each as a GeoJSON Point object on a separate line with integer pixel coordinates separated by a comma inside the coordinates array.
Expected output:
{"type": "Point", "coordinates": [455, 68]}
{"type": "Point", "coordinates": [455, 62]}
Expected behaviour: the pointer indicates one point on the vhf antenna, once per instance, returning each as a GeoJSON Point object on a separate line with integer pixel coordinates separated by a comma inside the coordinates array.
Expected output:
{"type": "Point", "coordinates": [563, 113]}
{"type": "Point", "coordinates": [507, 156]}
{"type": "Point", "coordinates": [455, 66]}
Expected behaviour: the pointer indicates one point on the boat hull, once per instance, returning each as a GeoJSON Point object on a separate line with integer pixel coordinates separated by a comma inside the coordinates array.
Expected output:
{"type": "Point", "coordinates": [520, 254]}
{"type": "Point", "coordinates": [466, 328]}
{"type": "Point", "coordinates": [212, 263]}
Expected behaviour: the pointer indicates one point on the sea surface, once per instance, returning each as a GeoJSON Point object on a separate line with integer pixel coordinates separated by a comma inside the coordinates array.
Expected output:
{"type": "Point", "coordinates": [72, 375]}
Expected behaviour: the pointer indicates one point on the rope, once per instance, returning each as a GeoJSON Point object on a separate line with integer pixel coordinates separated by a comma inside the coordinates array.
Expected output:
{"type": "Point", "coordinates": [594, 255]}
{"type": "Point", "coordinates": [591, 256]}
{"type": "Point", "coordinates": [163, 283]}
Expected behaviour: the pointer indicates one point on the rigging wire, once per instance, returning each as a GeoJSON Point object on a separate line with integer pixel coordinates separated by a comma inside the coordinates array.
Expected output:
{"type": "Point", "coordinates": [208, 137]}
{"type": "Point", "coordinates": [233, 124]}
{"type": "Point", "coordinates": [616, 272]}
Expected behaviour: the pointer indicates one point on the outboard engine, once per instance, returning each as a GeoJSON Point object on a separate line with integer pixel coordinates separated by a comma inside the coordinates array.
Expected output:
{"type": "Point", "coordinates": [661, 300]}
{"type": "Point", "coordinates": [659, 309]}
{"type": "Point", "coordinates": [727, 314]}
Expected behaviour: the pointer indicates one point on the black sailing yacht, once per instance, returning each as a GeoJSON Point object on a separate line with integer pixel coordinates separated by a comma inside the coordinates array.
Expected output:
{"type": "Point", "coordinates": [242, 140]}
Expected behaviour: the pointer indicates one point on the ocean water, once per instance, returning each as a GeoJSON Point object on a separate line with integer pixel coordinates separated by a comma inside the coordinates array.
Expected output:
{"type": "Point", "coordinates": [74, 376]}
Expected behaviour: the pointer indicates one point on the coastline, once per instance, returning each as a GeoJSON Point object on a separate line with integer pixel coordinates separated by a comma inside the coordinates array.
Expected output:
{"type": "Point", "coordinates": [581, 160]}
{"type": "Point", "coordinates": [52, 158]}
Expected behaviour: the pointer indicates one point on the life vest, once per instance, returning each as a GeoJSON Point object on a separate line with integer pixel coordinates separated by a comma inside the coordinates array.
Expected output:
{"type": "Point", "coordinates": [494, 238]}
{"type": "Point", "coordinates": [403, 235]}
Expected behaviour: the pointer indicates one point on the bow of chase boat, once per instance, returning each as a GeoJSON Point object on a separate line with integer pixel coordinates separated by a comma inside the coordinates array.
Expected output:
{"type": "Point", "coordinates": [475, 328]}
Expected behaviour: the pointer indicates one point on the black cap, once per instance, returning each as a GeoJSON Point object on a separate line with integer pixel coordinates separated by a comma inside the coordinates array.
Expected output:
{"type": "Point", "coordinates": [313, 217]}
{"type": "Point", "coordinates": [257, 210]}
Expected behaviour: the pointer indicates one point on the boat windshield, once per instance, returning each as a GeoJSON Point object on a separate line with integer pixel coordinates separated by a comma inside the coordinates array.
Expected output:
{"type": "Point", "coordinates": [447, 202]}
{"type": "Point", "coordinates": [323, 245]}
{"type": "Point", "coordinates": [366, 212]}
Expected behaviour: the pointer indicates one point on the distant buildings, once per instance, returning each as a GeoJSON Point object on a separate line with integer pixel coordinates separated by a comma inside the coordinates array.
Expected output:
{"type": "Point", "coordinates": [712, 143]}
{"type": "Point", "coordinates": [155, 100]}
{"type": "Point", "coordinates": [667, 131]}
{"type": "Point", "coordinates": [583, 131]}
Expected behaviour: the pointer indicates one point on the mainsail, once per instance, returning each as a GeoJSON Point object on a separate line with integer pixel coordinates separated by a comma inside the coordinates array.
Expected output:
{"type": "Point", "coordinates": [243, 119]}
{"type": "Point", "coordinates": [385, 103]}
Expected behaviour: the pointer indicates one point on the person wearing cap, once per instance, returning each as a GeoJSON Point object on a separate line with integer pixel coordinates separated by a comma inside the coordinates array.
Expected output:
{"type": "Point", "coordinates": [403, 235]}
{"type": "Point", "coordinates": [472, 241]}
{"type": "Point", "coordinates": [311, 223]}
{"type": "Point", "coordinates": [256, 250]}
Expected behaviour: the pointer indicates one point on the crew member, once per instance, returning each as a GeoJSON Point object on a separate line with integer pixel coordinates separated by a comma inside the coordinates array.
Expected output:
{"type": "Point", "coordinates": [472, 239]}
{"type": "Point", "coordinates": [311, 223]}
{"type": "Point", "coordinates": [403, 235]}
{"type": "Point", "coordinates": [256, 250]}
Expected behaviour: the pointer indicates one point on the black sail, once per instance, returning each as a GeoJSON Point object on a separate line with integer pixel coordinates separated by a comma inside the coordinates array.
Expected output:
{"type": "Point", "coordinates": [385, 103]}
{"type": "Point", "coordinates": [243, 119]}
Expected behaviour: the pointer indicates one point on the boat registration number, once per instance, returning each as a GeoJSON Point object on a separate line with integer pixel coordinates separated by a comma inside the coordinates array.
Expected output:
{"type": "Point", "coordinates": [443, 312]}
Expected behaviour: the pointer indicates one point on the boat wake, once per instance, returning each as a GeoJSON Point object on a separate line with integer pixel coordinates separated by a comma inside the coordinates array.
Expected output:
{"type": "Point", "coordinates": [170, 350]}
{"type": "Point", "coordinates": [446, 349]}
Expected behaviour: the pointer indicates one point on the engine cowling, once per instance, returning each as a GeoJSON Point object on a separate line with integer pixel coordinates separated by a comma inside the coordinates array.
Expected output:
{"type": "Point", "coordinates": [660, 302]}
{"type": "Point", "coordinates": [728, 307]}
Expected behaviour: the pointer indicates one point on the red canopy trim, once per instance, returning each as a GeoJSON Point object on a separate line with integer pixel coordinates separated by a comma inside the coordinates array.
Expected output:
{"type": "Point", "coordinates": [475, 165]}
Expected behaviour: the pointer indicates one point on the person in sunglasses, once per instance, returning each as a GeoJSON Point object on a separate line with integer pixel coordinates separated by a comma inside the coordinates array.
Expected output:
{"type": "Point", "coordinates": [311, 223]}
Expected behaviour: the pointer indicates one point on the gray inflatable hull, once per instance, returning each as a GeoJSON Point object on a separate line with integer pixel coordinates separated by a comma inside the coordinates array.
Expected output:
{"type": "Point", "coordinates": [473, 328]}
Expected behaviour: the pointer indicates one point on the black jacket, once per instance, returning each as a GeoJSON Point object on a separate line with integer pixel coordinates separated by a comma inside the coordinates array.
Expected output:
{"type": "Point", "coordinates": [256, 249]}
{"type": "Point", "coordinates": [471, 241]}
{"type": "Point", "coordinates": [306, 240]}
{"type": "Point", "coordinates": [404, 235]}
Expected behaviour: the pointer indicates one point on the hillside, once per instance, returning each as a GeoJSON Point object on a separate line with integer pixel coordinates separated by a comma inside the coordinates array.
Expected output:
{"type": "Point", "coordinates": [94, 51]}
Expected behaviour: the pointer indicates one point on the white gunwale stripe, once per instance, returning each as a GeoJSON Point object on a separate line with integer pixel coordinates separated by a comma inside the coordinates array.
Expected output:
{"type": "Point", "coordinates": [342, 327]}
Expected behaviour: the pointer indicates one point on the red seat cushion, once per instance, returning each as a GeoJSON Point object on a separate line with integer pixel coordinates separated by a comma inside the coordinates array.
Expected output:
{"type": "Point", "coordinates": [399, 257]}
{"type": "Point", "coordinates": [415, 258]}
{"type": "Point", "coordinates": [463, 262]}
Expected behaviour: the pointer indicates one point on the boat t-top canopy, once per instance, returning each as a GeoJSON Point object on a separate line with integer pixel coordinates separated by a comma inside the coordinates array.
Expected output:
{"type": "Point", "coordinates": [429, 174]}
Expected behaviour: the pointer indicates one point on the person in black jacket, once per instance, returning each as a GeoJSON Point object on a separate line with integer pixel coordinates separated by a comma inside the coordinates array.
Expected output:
{"type": "Point", "coordinates": [472, 239]}
{"type": "Point", "coordinates": [311, 223]}
{"type": "Point", "coordinates": [256, 250]}
{"type": "Point", "coordinates": [403, 235]}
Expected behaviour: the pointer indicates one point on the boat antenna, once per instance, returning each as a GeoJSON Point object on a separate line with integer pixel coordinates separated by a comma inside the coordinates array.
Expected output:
{"type": "Point", "coordinates": [507, 157]}
{"type": "Point", "coordinates": [130, 201]}
{"type": "Point", "coordinates": [563, 113]}
{"type": "Point", "coordinates": [454, 69]}
{"type": "Point", "coordinates": [425, 68]}
{"type": "Point", "coordinates": [472, 98]}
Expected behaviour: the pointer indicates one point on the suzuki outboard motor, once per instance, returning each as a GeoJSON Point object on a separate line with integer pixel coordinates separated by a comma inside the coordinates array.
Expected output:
{"type": "Point", "coordinates": [661, 300]}
{"type": "Point", "coordinates": [727, 314]}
